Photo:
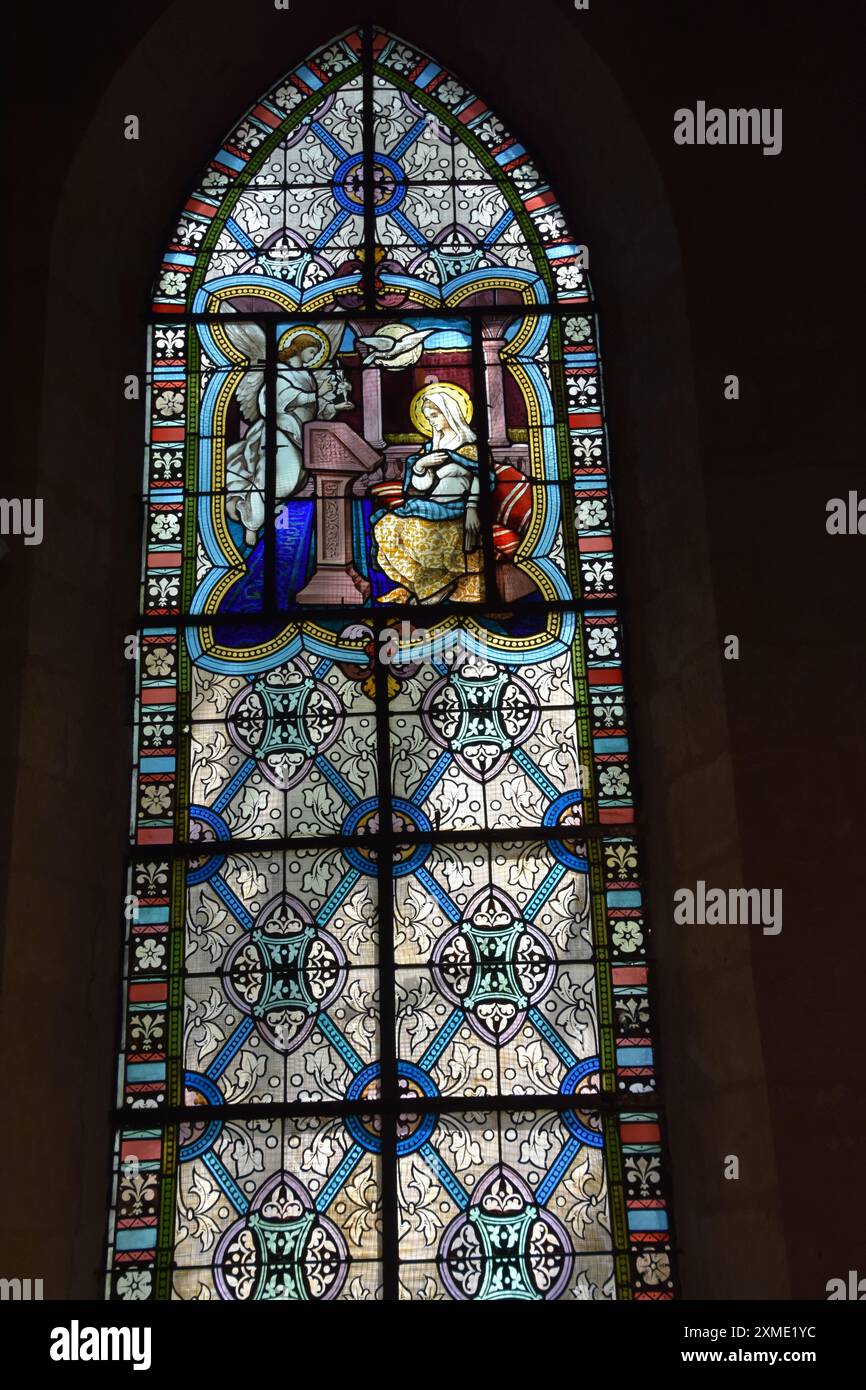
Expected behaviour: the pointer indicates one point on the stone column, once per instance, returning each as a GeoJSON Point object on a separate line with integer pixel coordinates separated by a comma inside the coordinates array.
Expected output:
{"type": "Point", "coordinates": [372, 406]}
{"type": "Point", "coordinates": [495, 387]}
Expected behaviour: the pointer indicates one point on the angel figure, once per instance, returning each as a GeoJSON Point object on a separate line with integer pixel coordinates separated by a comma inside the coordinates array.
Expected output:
{"type": "Point", "coordinates": [301, 395]}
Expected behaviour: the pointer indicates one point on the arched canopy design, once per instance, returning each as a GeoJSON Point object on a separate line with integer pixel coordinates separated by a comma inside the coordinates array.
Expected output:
{"type": "Point", "coordinates": [386, 988]}
{"type": "Point", "coordinates": [388, 182]}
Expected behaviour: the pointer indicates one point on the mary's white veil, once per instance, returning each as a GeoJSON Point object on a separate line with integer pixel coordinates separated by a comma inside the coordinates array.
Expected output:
{"type": "Point", "coordinates": [459, 432]}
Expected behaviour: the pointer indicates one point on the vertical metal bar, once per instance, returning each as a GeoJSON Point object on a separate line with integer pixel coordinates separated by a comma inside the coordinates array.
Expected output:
{"type": "Point", "coordinates": [387, 1003]}
{"type": "Point", "coordinates": [385, 842]}
{"type": "Point", "coordinates": [269, 585]}
{"type": "Point", "coordinates": [486, 510]}
{"type": "Point", "coordinates": [369, 146]}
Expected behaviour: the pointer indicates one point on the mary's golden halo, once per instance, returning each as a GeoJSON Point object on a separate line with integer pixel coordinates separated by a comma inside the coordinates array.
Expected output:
{"type": "Point", "coordinates": [457, 393]}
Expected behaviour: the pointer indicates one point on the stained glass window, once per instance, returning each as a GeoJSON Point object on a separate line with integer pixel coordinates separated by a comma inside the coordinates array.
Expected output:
{"type": "Point", "coordinates": [386, 1028]}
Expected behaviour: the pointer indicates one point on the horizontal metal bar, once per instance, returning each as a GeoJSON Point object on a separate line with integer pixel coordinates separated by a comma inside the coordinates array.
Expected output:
{"type": "Point", "coordinates": [203, 849]}
{"type": "Point", "coordinates": [597, 1102]}
{"type": "Point", "coordinates": [487, 312]}
{"type": "Point", "coordinates": [378, 616]}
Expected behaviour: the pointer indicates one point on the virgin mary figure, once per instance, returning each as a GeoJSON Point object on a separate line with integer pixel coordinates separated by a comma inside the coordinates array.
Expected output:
{"type": "Point", "coordinates": [429, 544]}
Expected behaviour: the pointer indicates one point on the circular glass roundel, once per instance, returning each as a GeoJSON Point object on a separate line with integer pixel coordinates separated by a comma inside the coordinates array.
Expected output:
{"type": "Point", "coordinates": [389, 184]}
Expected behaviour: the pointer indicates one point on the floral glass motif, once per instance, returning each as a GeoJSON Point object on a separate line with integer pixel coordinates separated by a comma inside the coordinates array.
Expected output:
{"type": "Point", "coordinates": [386, 1021]}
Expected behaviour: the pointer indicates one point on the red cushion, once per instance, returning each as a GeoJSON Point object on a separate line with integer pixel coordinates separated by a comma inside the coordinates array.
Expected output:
{"type": "Point", "coordinates": [512, 496]}
{"type": "Point", "coordinates": [505, 542]}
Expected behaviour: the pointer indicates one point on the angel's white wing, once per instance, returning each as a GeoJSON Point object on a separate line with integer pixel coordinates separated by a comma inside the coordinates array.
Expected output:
{"type": "Point", "coordinates": [247, 393]}
{"type": "Point", "coordinates": [334, 333]}
{"type": "Point", "coordinates": [249, 339]}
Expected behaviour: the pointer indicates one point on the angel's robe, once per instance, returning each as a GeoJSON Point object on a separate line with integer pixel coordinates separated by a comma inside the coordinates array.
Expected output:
{"type": "Point", "coordinates": [297, 402]}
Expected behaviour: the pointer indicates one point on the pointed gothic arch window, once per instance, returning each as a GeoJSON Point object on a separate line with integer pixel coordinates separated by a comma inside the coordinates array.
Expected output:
{"type": "Point", "coordinates": [386, 1029]}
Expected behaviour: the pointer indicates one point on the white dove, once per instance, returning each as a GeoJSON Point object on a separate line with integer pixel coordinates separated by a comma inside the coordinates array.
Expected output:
{"type": "Point", "coordinates": [395, 345]}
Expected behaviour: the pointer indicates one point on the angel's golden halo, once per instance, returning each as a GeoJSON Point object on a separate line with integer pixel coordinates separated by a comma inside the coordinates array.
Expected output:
{"type": "Point", "coordinates": [314, 335]}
